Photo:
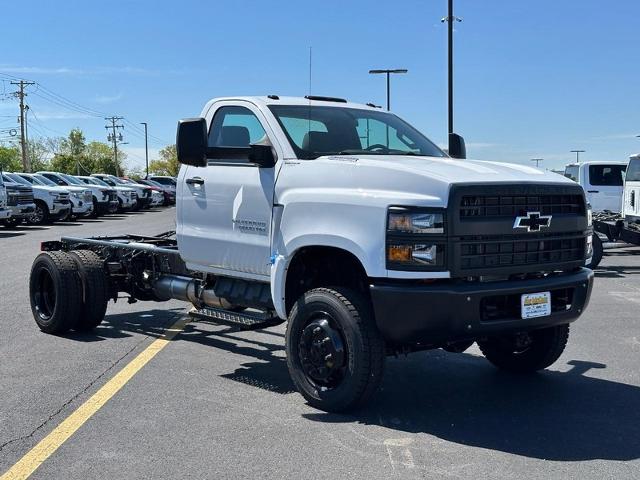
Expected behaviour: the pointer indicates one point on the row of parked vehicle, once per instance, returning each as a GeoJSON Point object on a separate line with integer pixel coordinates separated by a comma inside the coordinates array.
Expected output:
{"type": "Point", "coordinates": [44, 197]}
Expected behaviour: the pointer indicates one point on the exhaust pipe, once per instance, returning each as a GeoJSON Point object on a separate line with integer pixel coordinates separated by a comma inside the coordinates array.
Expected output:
{"type": "Point", "coordinates": [175, 287]}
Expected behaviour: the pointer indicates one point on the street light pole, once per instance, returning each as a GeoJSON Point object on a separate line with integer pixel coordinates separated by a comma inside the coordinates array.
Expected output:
{"type": "Point", "coordinates": [537, 160]}
{"type": "Point", "coordinates": [388, 73]}
{"type": "Point", "coordinates": [577, 152]}
{"type": "Point", "coordinates": [450, 19]}
{"type": "Point", "coordinates": [146, 148]}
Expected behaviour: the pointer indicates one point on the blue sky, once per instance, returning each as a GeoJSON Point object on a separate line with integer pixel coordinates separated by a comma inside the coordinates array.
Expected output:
{"type": "Point", "coordinates": [533, 79]}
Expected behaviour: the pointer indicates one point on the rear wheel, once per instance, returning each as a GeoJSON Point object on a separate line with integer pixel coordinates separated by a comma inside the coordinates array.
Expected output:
{"type": "Point", "coordinates": [528, 351]}
{"type": "Point", "coordinates": [54, 290]}
{"type": "Point", "coordinates": [335, 353]}
{"type": "Point", "coordinates": [95, 290]}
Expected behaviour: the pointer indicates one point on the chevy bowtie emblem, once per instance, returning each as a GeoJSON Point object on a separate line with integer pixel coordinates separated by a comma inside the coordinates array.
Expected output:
{"type": "Point", "coordinates": [533, 221]}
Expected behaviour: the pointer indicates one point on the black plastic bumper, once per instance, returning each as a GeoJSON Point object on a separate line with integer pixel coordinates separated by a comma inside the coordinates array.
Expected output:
{"type": "Point", "coordinates": [451, 311]}
{"type": "Point", "coordinates": [105, 207]}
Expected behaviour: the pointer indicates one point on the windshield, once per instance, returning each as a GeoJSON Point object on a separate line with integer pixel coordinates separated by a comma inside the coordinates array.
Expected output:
{"type": "Point", "coordinates": [96, 181]}
{"type": "Point", "coordinates": [315, 131]}
{"type": "Point", "coordinates": [18, 179]}
{"type": "Point", "coordinates": [71, 180]}
{"type": "Point", "coordinates": [43, 180]}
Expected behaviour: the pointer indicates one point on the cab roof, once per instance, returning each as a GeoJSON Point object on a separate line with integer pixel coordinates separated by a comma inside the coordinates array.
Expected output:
{"type": "Point", "coordinates": [312, 100]}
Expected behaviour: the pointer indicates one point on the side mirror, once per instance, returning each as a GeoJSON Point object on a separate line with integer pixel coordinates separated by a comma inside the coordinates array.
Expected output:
{"type": "Point", "coordinates": [191, 142]}
{"type": "Point", "coordinates": [60, 182]}
{"type": "Point", "coordinates": [262, 154]}
{"type": "Point", "coordinates": [457, 148]}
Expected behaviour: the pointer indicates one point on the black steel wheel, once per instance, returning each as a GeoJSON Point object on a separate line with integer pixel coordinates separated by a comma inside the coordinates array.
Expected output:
{"type": "Point", "coordinates": [527, 351]}
{"type": "Point", "coordinates": [55, 292]}
{"type": "Point", "coordinates": [335, 353]}
{"type": "Point", "coordinates": [95, 289]}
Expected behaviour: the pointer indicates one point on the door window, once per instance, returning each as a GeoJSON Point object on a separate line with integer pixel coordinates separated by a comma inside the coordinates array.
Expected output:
{"type": "Point", "coordinates": [572, 173]}
{"type": "Point", "coordinates": [633, 172]}
{"type": "Point", "coordinates": [607, 175]}
{"type": "Point", "coordinates": [235, 127]}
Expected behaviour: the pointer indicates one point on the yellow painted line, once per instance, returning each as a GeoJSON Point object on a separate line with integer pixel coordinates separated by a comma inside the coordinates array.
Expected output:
{"type": "Point", "coordinates": [49, 444]}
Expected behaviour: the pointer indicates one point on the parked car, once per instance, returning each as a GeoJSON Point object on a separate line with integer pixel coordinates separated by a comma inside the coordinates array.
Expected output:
{"type": "Point", "coordinates": [143, 193]}
{"type": "Point", "coordinates": [19, 201]}
{"type": "Point", "coordinates": [147, 190]}
{"type": "Point", "coordinates": [104, 199]}
{"type": "Point", "coordinates": [81, 195]}
{"type": "Point", "coordinates": [125, 196]}
{"type": "Point", "coordinates": [52, 203]}
{"type": "Point", "coordinates": [169, 182]}
{"type": "Point", "coordinates": [5, 211]}
{"type": "Point", "coordinates": [168, 192]}
{"type": "Point", "coordinates": [602, 183]}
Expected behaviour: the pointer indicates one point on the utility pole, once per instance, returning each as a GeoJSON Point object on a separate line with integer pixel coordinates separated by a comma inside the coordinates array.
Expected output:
{"type": "Point", "coordinates": [450, 19]}
{"type": "Point", "coordinates": [146, 148]}
{"type": "Point", "coordinates": [388, 72]}
{"type": "Point", "coordinates": [26, 164]}
{"type": "Point", "coordinates": [537, 160]}
{"type": "Point", "coordinates": [114, 138]}
{"type": "Point", "coordinates": [577, 152]}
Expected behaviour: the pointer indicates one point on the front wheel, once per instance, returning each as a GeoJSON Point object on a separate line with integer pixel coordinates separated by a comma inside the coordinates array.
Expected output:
{"type": "Point", "coordinates": [598, 251]}
{"type": "Point", "coordinates": [335, 353]}
{"type": "Point", "coordinates": [528, 351]}
{"type": "Point", "coordinates": [41, 214]}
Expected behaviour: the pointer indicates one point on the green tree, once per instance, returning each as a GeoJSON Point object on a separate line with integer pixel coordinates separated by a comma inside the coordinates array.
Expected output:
{"type": "Point", "coordinates": [39, 153]}
{"type": "Point", "coordinates": [167, 164]}
{"type": "Point", "coordinates": [10, 159]}
{"type": "Point", "coordinates": [64, 163]}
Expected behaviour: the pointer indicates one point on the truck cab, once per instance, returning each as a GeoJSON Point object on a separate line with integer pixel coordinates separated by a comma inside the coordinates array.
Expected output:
{"type": "Point", "coordinates": [602, 181]}
{"type": "Point", "coordinates": [631, 203]}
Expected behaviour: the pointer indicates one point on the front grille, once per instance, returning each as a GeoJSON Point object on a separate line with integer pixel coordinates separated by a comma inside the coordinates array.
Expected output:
{"type": "Point", "coordinates": [489, 252]}
{"type": "Point", "coordinates": [24, 196]}
{"type": "Point", "coordinates": [112, 195]}
{"type": "Point", "coordinates": [134, 196]}
{"type": "Point", "coordinates": [477, 206]}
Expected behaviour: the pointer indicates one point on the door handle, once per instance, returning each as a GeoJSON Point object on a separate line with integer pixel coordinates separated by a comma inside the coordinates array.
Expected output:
{"type": "Point", "coordinates": [195, 181]}
{"type": "Point", "coordinates": [588, 191]}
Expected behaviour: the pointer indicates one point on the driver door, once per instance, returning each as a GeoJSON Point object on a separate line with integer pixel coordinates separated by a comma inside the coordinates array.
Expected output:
{"type": "Point", "coordinates": [225, 208]}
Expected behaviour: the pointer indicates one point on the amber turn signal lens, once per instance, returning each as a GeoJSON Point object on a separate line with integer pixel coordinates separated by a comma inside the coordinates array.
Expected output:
{"type": "Point", "coordinates": [399, 253]}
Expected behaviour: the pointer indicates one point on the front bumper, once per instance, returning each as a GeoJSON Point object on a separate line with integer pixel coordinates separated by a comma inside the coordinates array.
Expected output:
{"type": "Point", "coordinates": [24, 210]}
{"type": "Point", "coordinates": [449, 311]}
{"type": "Point", "coordinates": [5, 213]}
{"type": "Point", "coordinates": [59, 210]}
{"type": "Point", "coordinates": [106, 207]}
{"type": "Point", "coordinates": [83, 208]}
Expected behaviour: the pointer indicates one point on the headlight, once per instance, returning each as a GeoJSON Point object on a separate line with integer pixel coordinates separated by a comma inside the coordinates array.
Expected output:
{"type": "Point", "coordinates": [75, 195]}
{"type": "Point", "coordinates": [415, 222]}
{"type": "Point", "coordinates": [415, 239]}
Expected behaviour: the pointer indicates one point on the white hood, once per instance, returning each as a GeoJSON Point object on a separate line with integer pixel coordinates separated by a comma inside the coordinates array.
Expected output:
{"type": "Point", "coordinates": [401, 180]}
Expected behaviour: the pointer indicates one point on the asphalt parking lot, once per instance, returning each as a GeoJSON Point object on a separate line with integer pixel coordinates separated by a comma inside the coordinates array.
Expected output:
{"type": "Point", "coordinates": [218, 403]}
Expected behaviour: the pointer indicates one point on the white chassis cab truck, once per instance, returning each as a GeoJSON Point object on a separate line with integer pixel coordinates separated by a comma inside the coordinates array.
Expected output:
{"type": "Point", "coordinates": [603, 183]}
{"type": "Point", "coordinates": [349, 224]}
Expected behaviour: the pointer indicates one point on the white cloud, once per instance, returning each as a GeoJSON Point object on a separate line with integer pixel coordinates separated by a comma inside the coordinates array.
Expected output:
{"type": "Point", "coordinates": [62, 116]}
{"type": "Point", "coordinates": [109, 98]}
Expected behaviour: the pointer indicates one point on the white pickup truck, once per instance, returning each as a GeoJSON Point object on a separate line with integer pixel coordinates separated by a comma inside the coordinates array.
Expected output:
{"type": "Point", "coordinates": [352, 226]}
{"type": "Point", "coordinates": [602, 181]}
